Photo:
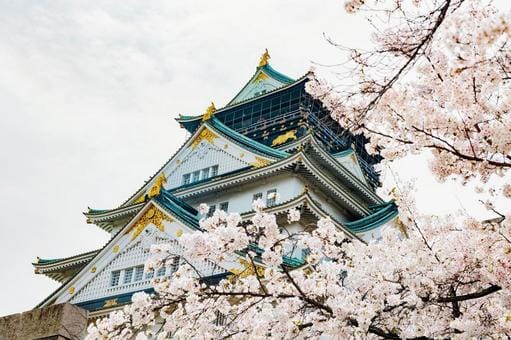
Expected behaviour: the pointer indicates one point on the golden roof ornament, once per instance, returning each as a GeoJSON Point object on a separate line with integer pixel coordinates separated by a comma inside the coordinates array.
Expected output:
{"type": "Point", "coordinates": [264, 58]}
{"type": "Point", "coordinates": [209, 112]}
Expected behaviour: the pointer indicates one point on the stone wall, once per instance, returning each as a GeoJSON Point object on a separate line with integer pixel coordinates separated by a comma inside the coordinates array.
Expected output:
{"type": "Point", "coordinates": [57, 322]}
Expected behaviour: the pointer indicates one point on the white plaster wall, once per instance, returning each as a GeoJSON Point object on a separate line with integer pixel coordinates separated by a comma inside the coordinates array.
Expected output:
{"type": "Point", "coordinates": [240, 198]}
{"type": "Point", "coordinates": [203, 156]}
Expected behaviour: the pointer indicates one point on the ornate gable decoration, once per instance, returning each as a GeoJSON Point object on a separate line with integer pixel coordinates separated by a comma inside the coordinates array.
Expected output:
{"type": "Point", "coordinates": [209, 112]}
{"type": "Point", "coordinates": [152, 215]}
{"type": "Point", "coordinates": [206, 135]}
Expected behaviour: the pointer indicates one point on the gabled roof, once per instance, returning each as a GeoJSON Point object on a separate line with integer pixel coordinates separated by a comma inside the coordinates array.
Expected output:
{"type": "Point", "coordinates": [265, 78]}
{"type": "Point", "coordinates": [165, 201]}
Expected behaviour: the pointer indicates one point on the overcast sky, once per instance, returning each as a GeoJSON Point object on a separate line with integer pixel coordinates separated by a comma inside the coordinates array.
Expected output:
{"type": "Point", "coordinates": [88, 97]}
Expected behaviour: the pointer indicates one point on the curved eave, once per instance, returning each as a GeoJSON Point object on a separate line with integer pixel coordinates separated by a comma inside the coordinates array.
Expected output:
{"type": "Point", "coordinates": [59, 269]}
{"type": "Point", "coordinates": [385, 213]}
{"type": "Point", "coordinates": [191, 123]}
{"type": "Point", "coordinates": [97, 216]}
{"type": "Point", "coordinates": [177, 208]}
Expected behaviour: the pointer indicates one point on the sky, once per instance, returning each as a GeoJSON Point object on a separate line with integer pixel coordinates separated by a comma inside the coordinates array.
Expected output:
{"type": "Point", "coordinates": [88, 96]}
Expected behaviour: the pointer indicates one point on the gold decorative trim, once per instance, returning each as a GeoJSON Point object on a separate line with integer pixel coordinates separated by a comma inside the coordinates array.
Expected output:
{"type": "Point", "coordinates": [110, 303]}
{"type": "Point", "coordinates": [71, 290]}
{"type": "Point", "coordinates": [209, 112]}
{"type": "Point", "coordinates": [247, 270]}
{"type": "Point", "coordinates": [242, 155]}
{"type": "Point", "coordinates": [179, 232]}
{"type": "Point", "coordinates": [206, 135]}
{"type": "Point", "coordinates": [152, 215]}
{"type": "Point", "coordinates": [260, 162]}
{"type": "Point", "coordinates": [260, 77]}
{"type": "Point", "coordinates": [158, 184]}
{"type": "Point", "coordinates": [264, 58]}
{"type": "Point", "coordinates": [93, 270]}
{"type": "Point", "coordinates": [115, 249]}
{"type": "Point", "coordinates": [284, 138]}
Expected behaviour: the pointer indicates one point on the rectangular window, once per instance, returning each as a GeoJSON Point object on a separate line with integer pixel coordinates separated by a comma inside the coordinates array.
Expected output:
{"type": "Point", "coordinates": [205, 173]}
{"type": "Point", "coordinates": [195, 176]}
{"type": "Point", "coordinates": [161, 271]}
{"type": "Point", "coordinates": [114, 279]}
{"type": "Point", "coordinates": [257, 196]}
{"type": "Point", "coordinates": [139, 273]}
{"type": "Point", "coordinates": [214, 170]}
{"type": "Point", "coordinates": [211, 211]}
{"type": "Point", "coordinates": [186, 179]}
{"type": "Point", "coordinates": [219, 319]}
{"type": "Point", "coordinates": [174, 265]}
{"type": "Point", "coordinates": [271, 197]}
{"type": "Point", "coordinates": [128, 275]}
{"type": "Point", "coordinates": [224, 206]}
{"type": "Point", "coordinates": [149, 274]}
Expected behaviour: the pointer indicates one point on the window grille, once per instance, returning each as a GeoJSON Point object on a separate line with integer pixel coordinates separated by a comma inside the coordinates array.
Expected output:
{"type": "Point", "coordinates": [271, 197]}
{"type": "Point", "coordinates": [128, 275]}
{"type": "Point", "coordinates": [257, 196]}
{"type": "Point", "coordinates": [196, 176]}
{"type": "Point", "coordinates": [174, 265]}
{"type": "Point", "coordinates": [205, 173]}
{"type": "Point", "coordinates": [114, 280]}
{"type": "Point", "coordinates": [139, 273]}
{"type": "Point", "coordinates": [161, 271]}
{"type": "Point", "coordinates": [220, 319]}
{"type": "Point", "coordinates": [211, 211]}
{"type": "Point", "coordinates": [186, 179]}
{"type": "Point", "coordinates": [149, 274]}
{"type": "Point", "coordinates": [224, 206]}
{"type": "Point", "coordinates": [214, 170]}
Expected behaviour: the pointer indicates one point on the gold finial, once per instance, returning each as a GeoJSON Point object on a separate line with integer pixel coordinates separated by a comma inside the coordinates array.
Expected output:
{"type": "Point", "coordinates": [158, 184]}
{"type": "Point", "coordinates": [264, 58]}
{"type": "Point", "coordinates": [209, 112]}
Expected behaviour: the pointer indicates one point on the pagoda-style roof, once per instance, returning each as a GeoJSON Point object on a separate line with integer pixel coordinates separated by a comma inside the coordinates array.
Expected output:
{"type": "Point", "coordinates": [62, 269]}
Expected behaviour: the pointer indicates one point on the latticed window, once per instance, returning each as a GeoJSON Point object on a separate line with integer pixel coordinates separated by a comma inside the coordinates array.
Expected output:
{"type": "Point", "coordinates": [257, 196]}
{"type": "Point", "coordinates": [186, 179]}
{"type": "Point", "coordinates": [214, 170]}
{"type": "Point", "coordinates": [149, 274]}
{"type": "Point", "coordinates": [224, 206]}
{"type": "Point", "coordinates": [220, 319]}
{"type": "Point", "coordinates": [196, 176]}
{"type": "Point", "coordinates": [128, 275]}
{"type": "Point", "coordinates": [114, 279]}
{"type": "Point", "coordinates": [139, 273]}
{"type": "Point", "coordinates": [271, 197]}
{"type": "Point", "coordinates": [174, 264]}
{"type": "Point", "coordinates": [205, 173]}
{"type": "Point", "coordinates": [211, 211]}
{"type": "Point", "coordinates": [161, 271]}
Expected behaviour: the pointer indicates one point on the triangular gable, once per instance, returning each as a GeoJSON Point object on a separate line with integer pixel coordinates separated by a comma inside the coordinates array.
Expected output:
{"type": "Point", "coordinates": [349, 160]}
{"type": "Point", "coordinates": [155, 223]}
{"type": "Point", "coordinates": [264, 80]}
{"type": "Point", "coordinates": [213, 144]}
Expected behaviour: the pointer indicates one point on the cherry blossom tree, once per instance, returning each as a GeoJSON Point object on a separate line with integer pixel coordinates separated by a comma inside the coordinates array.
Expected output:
{"type": "Point", "coordinates": [437, 80]}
